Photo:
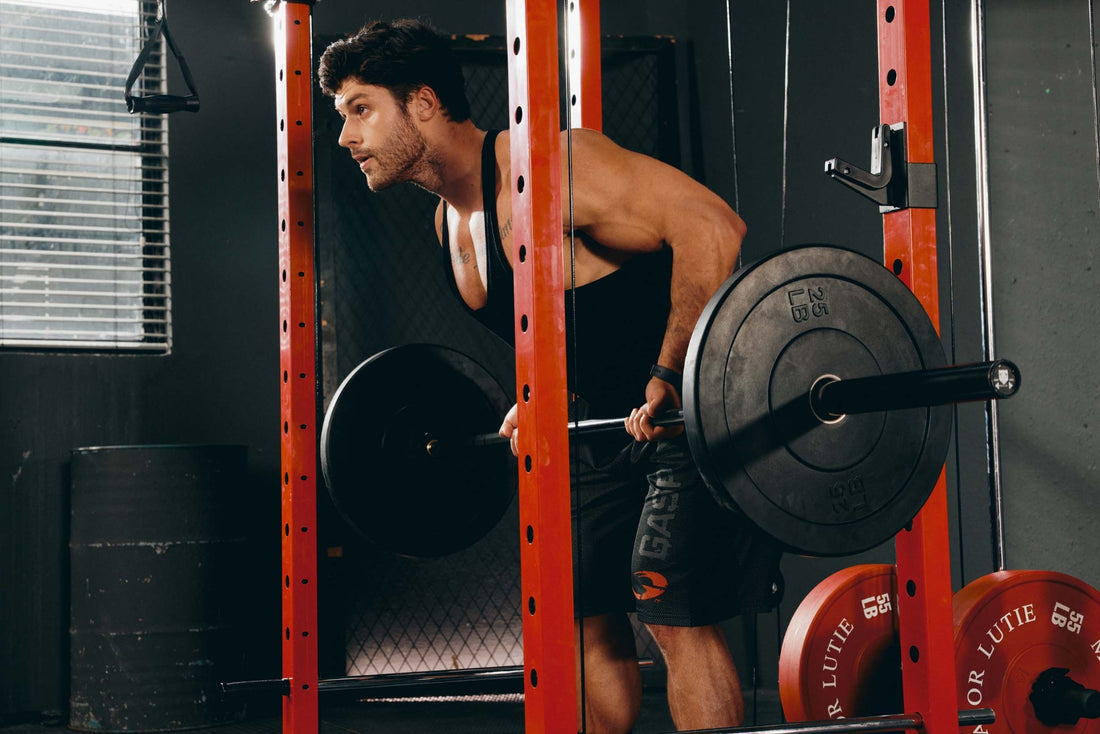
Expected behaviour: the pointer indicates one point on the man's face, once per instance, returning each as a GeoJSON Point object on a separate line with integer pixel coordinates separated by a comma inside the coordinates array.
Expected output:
{"type": "Point", "coordinates": [380, 134]}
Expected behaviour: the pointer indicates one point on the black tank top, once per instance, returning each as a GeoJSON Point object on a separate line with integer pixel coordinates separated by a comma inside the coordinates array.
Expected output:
{"type": "Point", "coordinates": [616, 334]}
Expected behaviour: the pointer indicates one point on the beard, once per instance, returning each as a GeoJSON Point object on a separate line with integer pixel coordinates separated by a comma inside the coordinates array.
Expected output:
{"type": "Point", "coordinates": [403, 157]}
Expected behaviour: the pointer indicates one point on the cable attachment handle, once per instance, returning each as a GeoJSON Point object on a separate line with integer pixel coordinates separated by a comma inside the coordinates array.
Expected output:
{"type": "Point", "coordinates": [160, 104]}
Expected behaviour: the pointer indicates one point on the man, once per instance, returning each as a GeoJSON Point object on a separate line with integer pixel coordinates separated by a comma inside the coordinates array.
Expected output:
{"type": "Point", "coordinates": [651, 246]}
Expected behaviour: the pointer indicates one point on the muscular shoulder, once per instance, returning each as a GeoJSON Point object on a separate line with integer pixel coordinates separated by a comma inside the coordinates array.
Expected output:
{"type": "Point", "coordinates": [588, 140]}
{"type": "Point", "coordinates": [581, 139]}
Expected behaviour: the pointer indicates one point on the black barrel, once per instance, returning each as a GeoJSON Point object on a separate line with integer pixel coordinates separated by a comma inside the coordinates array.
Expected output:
{"type": "Point", "coordinates": [156, 550]}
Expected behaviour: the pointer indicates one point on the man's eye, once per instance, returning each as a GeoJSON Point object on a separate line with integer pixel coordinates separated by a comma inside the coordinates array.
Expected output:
{"type": "Point", "coordinates": [361, 109]}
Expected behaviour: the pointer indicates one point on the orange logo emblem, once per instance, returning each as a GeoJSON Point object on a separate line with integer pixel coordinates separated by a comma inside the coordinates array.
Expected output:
{"type": "Point", "coordinates": [648, 585]}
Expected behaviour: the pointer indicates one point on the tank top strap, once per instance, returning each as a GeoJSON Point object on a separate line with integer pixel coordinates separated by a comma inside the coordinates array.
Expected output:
{"type": "Point", "coordinates": [445, 257]}
{"type": "Point", "coordinates": [498, 264]}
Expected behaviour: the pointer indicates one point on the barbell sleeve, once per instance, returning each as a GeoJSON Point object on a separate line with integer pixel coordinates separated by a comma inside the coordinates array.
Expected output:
{"type": "Point", "coordinates": [832, 397]}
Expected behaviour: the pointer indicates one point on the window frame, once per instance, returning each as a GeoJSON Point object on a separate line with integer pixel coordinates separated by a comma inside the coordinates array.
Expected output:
{"type": "Point", "coordinates": [144, 300]}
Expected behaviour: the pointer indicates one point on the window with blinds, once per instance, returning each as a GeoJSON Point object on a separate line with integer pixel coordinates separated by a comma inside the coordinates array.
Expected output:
{"type": "Point", "coordinates": [83, 183]}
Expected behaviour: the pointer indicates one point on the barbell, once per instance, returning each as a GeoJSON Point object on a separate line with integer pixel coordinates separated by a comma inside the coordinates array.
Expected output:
{"type": "Point", "coordinates": [815, 402]}
{"type": "Point", "coordinates": [829, 399]}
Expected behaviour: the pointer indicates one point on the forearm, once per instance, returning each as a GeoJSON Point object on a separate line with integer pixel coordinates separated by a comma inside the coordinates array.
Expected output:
{"type": "Point", "coordinates": [700, 264]}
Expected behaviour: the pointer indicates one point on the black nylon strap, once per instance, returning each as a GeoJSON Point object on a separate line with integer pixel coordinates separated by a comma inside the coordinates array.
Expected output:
{"type": "Point", "coordinates": [160, 104]}
{"type": "Point", "coordinates": [670, 376]}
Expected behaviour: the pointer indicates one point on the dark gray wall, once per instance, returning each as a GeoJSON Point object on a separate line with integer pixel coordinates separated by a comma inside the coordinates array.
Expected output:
{"type": "Point", "coordinates": [220, 384]}
{"type": "Point", "coordinates": [1044, 201]}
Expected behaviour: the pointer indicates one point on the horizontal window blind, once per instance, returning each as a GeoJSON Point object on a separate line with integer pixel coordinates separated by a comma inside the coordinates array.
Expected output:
{"type": "Point", "coordinates": [83, 184]}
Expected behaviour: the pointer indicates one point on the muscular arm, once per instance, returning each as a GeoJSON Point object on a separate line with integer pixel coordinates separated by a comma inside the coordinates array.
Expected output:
{"type": "Point", "coordinates": [634, 203]}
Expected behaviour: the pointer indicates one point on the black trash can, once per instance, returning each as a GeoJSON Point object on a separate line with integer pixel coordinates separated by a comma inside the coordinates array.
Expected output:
{"type": "Point", "coordinates": [156, 549]}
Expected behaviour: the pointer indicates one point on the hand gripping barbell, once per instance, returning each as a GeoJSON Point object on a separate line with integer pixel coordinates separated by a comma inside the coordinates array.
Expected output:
{"type": "Point", "coordinates": [815, 403]}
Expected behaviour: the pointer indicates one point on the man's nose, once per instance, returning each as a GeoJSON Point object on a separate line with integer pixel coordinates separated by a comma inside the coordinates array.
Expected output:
{"type": "Point", "coordinates": [348, 135]}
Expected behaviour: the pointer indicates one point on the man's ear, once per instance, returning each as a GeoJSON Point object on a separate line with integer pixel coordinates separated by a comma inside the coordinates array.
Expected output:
{"type": "Point", "coordinates": [424, 104]}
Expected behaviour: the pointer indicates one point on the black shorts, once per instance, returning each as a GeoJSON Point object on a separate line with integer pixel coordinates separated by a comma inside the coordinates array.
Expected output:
{"type": "Point", "coordinates": [649, 537]}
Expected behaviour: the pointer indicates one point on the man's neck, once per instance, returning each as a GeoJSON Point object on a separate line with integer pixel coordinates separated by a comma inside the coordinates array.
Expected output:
{"type": "Point", "coordinates": [459, 153]}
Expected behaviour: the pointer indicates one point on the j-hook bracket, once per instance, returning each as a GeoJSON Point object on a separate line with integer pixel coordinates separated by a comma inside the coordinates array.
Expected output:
{"type": "Point", "coordinates": [893, 182]}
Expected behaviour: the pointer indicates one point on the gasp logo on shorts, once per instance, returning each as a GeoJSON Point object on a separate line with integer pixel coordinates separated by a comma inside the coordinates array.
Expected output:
{"type": "Point", "coordinates": [648, 585]}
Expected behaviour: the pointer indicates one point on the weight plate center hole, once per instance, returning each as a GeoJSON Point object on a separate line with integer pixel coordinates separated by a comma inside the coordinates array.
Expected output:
{"type": "Point", "coordinates": [815, 395]}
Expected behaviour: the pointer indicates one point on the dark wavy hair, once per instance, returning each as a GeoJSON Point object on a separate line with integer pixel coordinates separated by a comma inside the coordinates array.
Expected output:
{"type": "Point", "coordinates": [402, 56]}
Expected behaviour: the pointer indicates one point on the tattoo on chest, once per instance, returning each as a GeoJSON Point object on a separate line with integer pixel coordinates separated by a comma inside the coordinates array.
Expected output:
{"type": "Point", "coordinates": [462, 257]}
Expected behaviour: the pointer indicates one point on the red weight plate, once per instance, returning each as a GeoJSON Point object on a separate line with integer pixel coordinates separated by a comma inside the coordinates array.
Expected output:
{"type": "Point", "coordinates": [1010, 627]}
{"type": "Point", "coordinates": [840, 655]}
